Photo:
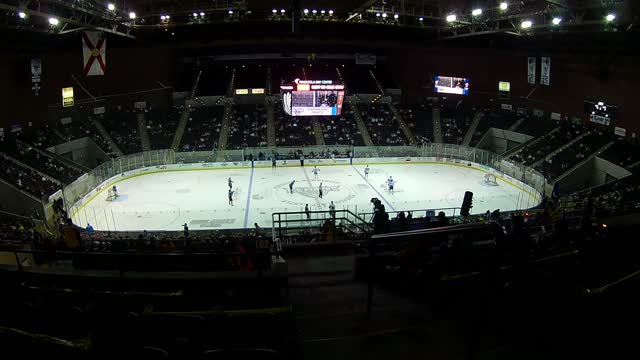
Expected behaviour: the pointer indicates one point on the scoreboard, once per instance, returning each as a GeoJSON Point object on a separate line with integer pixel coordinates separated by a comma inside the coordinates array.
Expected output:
{"type": "Point", "coordinates": [312, 98]}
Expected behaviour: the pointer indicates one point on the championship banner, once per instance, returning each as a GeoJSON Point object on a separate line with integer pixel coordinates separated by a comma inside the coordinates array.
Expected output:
{"type": "Point", "coordinates": [94, 53]}
{"type": "Point", "coordinates": [36, 73]}
{"type": "Point", "coordinates": [545, 71]}
{"type": "Point", "coordinates": [531, 71]}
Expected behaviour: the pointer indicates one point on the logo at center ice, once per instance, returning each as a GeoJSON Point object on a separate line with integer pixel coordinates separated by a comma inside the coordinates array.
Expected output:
{"type": "Point", "coordinates": [339, 192]}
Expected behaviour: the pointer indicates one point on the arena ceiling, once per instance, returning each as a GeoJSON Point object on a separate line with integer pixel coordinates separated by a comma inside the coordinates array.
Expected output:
{"type": "Point", "coordinates": [206, 22]}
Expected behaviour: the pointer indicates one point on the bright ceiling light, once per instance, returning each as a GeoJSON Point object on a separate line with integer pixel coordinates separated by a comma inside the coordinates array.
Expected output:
{"type": "Point", "coordinates": [421, 19]}
{"type": "Point", "coordinates": [330, 12]}
{"type": "Point", "coordinates": [306, 11]}
{"type": "Point", "coordinates": [526, 24]}
{"type": "Point", "coordinates": [476, 12]}
{"type": "Point", "coordinates": [202, 13]}
{"type": "Point", "coordinates": [167, 17]}
{"type": "Point", "coordinates": [314, 11]}
{"type": "Point", "coordinates": [377, 14]}
{"type": "Point", "coordinates": [230, 12]}
{"type": "Point", "coordinates": [322, 12]}
{"type": "Point", "coordinates": [274, 11]}
{"type": "Point", "coordinates": [132, 15]}
{"type": "Point", "coordinates": [611, 17]}
{"type": "Point", "coordinates": [504, 6]}
{"type": "Point", "coordinates": [53, 21]}
{"type": "Point", "coordinates": [451, 18]}
{"type": "Point", "coordinates": [396, 16]}
{"type": "Point", "coordinates": [22, 15]}
{"type": "Point", "coordinates": [282, 11]}
{"type": "Point", "coordinates": [162, 17]}
{"type": "Point", "coordinates": [111, 7]}
{"type": "Point", "coordinates": [556, 21]}
{"type": "Point", "coordinates": [195, 14]}
{"type": "Point", "coordinates": [384, 15]}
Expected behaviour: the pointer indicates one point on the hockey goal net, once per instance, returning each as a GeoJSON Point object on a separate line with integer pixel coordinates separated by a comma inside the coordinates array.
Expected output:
{"type": "Point", "coordinates": [112, 195]}
{"type": "Point", "coordinates": [490, 179]}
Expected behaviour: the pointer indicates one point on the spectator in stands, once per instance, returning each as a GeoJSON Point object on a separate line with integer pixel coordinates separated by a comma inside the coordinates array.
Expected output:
{"type": "Point", "coordinates": [89, 230]}
{"type": "Point", "coordinates": [442, 219]}
{"type": "Point", "coordinates": [71, 236]}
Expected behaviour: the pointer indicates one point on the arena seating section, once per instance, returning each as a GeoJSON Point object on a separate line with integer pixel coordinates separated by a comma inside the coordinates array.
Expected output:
{"type": "Point", "coordinates": [455, 119]}
{"type": "Point", "coordinates": [203, 129]}
{"type": "Point", "coordinates": [419, 118]}
{"type": "Point", "coordinates": [248, 127]}
{"type": "Point", "coordinates": [47, 164]}
{"type": "Point", "coordinates": [292, 131]}
{"type": "Point", "coordinates": [162, 123]}
{"type": "Point", "coordinates": [341, 130]}
{"type": "Point", "coordinates": [26, 179]}
{"type": "Point", "coordinates": [552, 141]}
{"type": "Point", "coordinates": [122, 125]}
{"type": "Point", "coordinates": [383, 128]}
{"type": "Point", "coordinates": [572, 155]}
{"type": "Point", "coordinates": [81, 126]}
{"type": "Point", "coordinates": [623, 153]}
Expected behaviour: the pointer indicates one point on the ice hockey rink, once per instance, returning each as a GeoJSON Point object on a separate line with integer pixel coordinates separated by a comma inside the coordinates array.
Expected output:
{"type": "Point", "coordinates": [164, 201]}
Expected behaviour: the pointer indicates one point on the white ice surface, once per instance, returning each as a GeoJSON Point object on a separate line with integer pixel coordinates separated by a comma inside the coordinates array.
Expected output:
{"type": "Point", "coordinates": [165, 201]}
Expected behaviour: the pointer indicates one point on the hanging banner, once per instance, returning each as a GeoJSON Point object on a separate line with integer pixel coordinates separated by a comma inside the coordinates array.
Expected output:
{"type": "Point", "coordinates": [36, 75]}
{"type": "Point", "coordinates": [94, 53]}
{"type": "Point", "coordinates": [67, 97]}
{"type": "Point", "coordinates": [531, 70]}
{"type": "Point", "coordinates": [545, 71]}
{"type": "Point", "coordinates": [36, 70]}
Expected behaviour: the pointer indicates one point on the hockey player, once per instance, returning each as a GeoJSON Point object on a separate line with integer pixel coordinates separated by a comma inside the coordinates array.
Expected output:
{"type": "Point", "coordinates": [273, 163]}
{"type": "Point", "coordinates": [291, 186]}
{"type": "Point", "coordinates": [315, 172]}
{"type": "Point", "coordinates": [115, 191]}
{"type": "Point", "coordinates": [390, 183]}
{"type": "Point", "coordinates": [230, 183]}
{"type": "Point", "coordinates": [320, 191]}
{"type": "Point", "coordinates": [231, 197]}
{"type": "Point", "coordinates": [366, 172]}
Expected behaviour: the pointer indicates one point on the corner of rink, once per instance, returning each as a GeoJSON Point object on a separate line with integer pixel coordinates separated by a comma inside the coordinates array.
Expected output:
{"type": "Point", "coordinates": [164, 198]}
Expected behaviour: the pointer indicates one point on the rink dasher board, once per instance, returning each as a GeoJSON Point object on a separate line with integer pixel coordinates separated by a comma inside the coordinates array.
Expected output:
{"type": "Point", "coordinates": [114, 180]}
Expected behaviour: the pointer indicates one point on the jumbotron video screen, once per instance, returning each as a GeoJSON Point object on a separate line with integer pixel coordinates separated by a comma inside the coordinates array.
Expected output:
{"type": "Point", "coordinates": [451, 85]}
{"type": "Point", "coordinates": [312, 98]}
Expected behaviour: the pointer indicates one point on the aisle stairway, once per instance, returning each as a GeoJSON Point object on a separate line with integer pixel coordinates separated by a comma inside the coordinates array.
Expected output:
{"type": "Point", "coordinates": [142, 130]}
{"type": "Point", "coordinates": [224, 130]}
{"type": "Point", "coordinates": [271, 122]}
{"type": "Point", "coordinates": [514, 127]}
{"type": "Point", "coordinates": [585, 160]}
{"type": "Point", "coordinates": [561, 148]}
{"type": "Point", "coordinates": [437, 129]}
{"type": "Point", "coordinates": [403, 125]}
{"type": "Point", "coordinates": [525, 144]}
{"type": "Point", "coordinates": [362, 128]}
{"type": "Point", "coordinates": [472, 128]}
{"type": "Point", "coordinates": [105, 134]}
{"type": "Point", "coordinates": [317, 131]}
{"type": "Point", "coordinates": [56, 157]}
{"type": "Point", "coordinates": [184, 117]}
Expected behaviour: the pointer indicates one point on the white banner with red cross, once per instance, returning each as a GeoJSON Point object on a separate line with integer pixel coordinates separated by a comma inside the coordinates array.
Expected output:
{"type": "Point", "coordinates": [94, 53]}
